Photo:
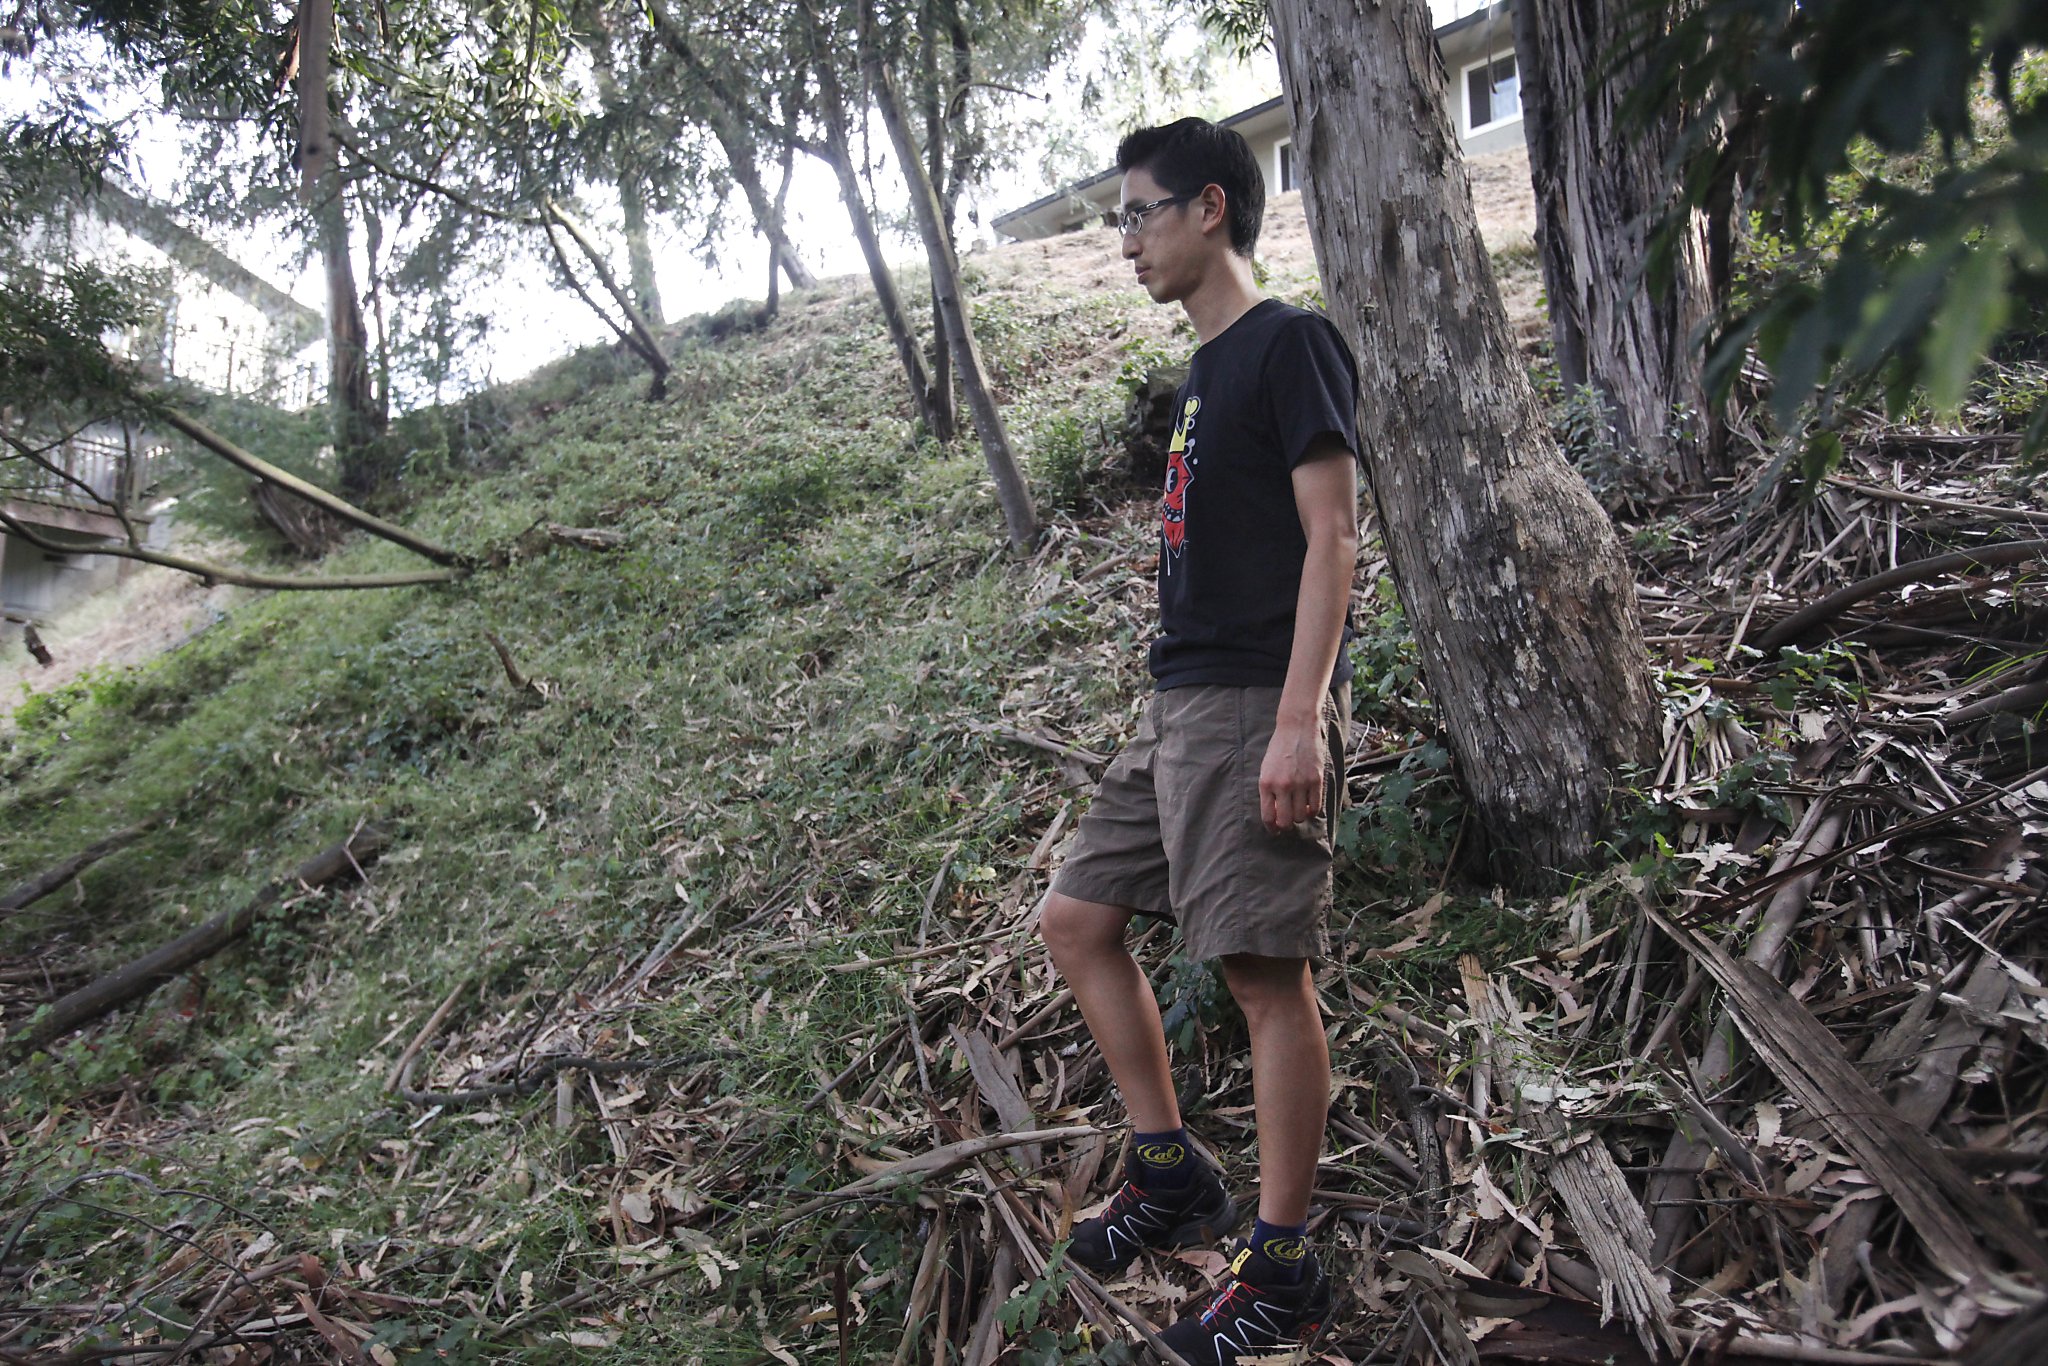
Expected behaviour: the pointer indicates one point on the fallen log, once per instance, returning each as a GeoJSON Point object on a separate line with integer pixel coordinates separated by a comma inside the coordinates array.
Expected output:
{"type": "Point", "coordinates": [31, 890]}
{"type": "Point", "coordinates": [138, 978]}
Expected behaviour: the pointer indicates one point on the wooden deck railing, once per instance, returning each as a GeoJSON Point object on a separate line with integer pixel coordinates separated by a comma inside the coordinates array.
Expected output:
{"type": "Point", "coordinates": [85, 472]}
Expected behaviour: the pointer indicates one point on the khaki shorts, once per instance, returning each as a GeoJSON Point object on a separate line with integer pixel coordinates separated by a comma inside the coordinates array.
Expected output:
{"type": "Point", "coordinates": [1174, 830]}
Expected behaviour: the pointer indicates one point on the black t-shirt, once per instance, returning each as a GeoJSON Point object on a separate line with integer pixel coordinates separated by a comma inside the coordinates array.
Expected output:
{"type": "Point", "coordinates": [1231, 545]}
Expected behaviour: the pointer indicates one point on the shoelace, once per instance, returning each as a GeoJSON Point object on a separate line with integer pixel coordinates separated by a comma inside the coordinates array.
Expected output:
{"type": "Point", "coordinates": [1226, 1297]}
{"type": "Point", "coordinates": [1121, 1205]}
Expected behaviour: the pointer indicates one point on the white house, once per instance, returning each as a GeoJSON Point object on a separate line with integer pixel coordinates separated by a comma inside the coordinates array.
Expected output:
{"type": "Point", "coordinates": [1479, 57]}
{"type": "Point", "coordinates": [215, 324]}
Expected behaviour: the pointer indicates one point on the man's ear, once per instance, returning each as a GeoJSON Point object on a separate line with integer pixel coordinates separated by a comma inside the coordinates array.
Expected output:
{"type": "Point", "coordinates": [1215, 207]}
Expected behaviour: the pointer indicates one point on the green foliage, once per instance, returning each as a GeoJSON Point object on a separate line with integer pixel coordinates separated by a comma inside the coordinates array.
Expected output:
{"type": "Point", "coordinates": [1065, 456]}
{"type": "Point", "coordinates": [1386, 666]}
{"type": "Point", "coordinates": [1411, 819]}
{"type": "Point", "coordinates": [1819, 677]}
{"type": "Point", "coordinates": [1021, 1312]}
{"type": "Point", "coordinates": [53, 328]}
{"type": "Point", "coordinates": [1192, 998]}
{"type": "Point", "coordinates": [1905, 282]}
{"type": "Point", "coordinates": [1143, 357]}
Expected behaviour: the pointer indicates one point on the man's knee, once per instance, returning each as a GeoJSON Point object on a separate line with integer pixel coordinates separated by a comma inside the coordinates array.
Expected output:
{"type": "Point", "coordinates": [1268, 988]}
{"type": "Point", "coordinates": [1071, 927]}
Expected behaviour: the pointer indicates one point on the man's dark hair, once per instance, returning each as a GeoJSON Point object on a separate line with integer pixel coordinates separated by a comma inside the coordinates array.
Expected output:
{"type": "Point", "coordinates": [1189, 154]}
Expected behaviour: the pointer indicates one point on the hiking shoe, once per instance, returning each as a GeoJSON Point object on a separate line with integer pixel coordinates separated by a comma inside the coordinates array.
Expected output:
{"type": "Point", "coordinates": [1156, 1217]}
{"type": "Point", "coordinates": [1247, 1320]}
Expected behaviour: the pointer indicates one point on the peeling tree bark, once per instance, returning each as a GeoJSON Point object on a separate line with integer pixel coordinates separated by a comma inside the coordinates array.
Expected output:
{"type": "Point", "coordinates": [1601, 184]}
{"type": "Point", "coordinates": [1523, 607]}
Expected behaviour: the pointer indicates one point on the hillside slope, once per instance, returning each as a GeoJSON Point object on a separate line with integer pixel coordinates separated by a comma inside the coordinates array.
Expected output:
{"type": "Point", "coordinates": [714, 903]}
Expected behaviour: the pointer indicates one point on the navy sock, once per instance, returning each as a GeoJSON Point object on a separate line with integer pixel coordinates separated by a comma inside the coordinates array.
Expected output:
{"type": "Point", "coordinates": [1166, 1160]}
{"type": "Point", "coordinates": [1279, 1252]}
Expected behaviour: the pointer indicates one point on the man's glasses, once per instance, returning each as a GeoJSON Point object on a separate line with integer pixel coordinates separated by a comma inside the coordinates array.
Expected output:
{"type": "Point", "coordinates": [1131, 221]}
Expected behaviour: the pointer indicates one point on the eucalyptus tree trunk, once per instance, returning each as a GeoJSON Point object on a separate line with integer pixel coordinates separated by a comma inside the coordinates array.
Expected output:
{"type": "Point", "coordinates": [1601, 186]}
{"type": "Point", "coordinates": [632, 194]}
{"type": "Point", "coordinates": [352, 406]}
{"type": "Point", "coordinates": [1012, 491]}
{"type": "Point", "coordinates": [768, 216]}
{"type": "Point", "coordinates": [799, 274]}
{"type": "Point", "coordinates": [937, 418]}
{"type": "Point", "coordinates": [1523, 607]}
{"type": "Point", "coordinates": [932, 106]}
{"type": "Point", "coordinates": [639, 249]}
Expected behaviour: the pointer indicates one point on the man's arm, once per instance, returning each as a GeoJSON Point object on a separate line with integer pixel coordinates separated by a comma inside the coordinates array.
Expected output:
{"type": "Point", "coordinates": [1326, 498]}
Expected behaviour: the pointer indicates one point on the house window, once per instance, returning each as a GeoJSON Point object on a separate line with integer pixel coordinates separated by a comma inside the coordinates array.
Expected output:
{"type": "Point", "coordinates": [1287, 181]}
{"type": "Point", "coordinates": [1493, 93]}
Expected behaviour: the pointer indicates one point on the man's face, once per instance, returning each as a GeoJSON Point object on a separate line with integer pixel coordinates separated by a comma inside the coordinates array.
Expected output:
{"type": "Point", "coordinates": [1168, 249]}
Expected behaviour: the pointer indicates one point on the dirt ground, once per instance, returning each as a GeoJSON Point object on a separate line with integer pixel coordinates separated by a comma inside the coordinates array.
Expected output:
{"type": "Point", "coordinates": [150, 611]}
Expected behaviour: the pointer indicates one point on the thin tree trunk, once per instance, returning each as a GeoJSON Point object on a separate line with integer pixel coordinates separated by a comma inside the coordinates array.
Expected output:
{"type": "Point", "coordinates": [349, 399]}
{"type": "Point", "coordinates": [632, 198]}
{"type": "Point", "coordinates": [638, 333]}
{"type": "Point", "coordinates": [1601, 185]}
{"type": "Point", "coordinates": [1012, 491]}
{"type": "Point", "coordinates": [639, 249]}
{"type": "Point", "coordinates": [1523, 607]}
{"type": "Point", "coordinates": [839, 155]}
{"type": "Point", "coordinates": [799, 274]}
{"type": "Point", "coordinates": [373, 232]}
{"type": "Point", "coordinates": [739, 155]}
{"type": "Point", "coordinates": [935, 169]}
{"type": "Point", "coordinates": [731, 121]}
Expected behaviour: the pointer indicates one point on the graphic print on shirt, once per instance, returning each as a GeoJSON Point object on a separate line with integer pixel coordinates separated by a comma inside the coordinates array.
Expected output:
{"type": "Point", "coordinates": [1180, 472]}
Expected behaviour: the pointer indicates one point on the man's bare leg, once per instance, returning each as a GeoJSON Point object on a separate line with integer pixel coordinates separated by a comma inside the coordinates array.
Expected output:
{"type": "Point", "coordinates": [1290, 1077]}
{"type": "Point", "coordinates": [1087, 943]}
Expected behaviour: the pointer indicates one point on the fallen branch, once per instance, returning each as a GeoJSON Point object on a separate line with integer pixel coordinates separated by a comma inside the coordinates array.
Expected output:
{"type": "Point", "coordinates": [1604, 1212]}
{"type": "Point", "coordinates": [537, 1072]}
{"type": "Point", "coordinates": [513, 674]}
{"type": "Point", "coordinates": [2024, 698]}
{"type": "Point", "coordinates": [312, 493]}
{"type": "Point", "coordinates": [1919, 571]}
{"type": "Point", "coordinates": [33, 889]}
{"type": "Point", "coordinates": [401, 1068]}
{"type": "Point", "coordinates": [143, 975]}
{"type": "Point", "coordinates": [597, 538]}
{"type": "Point", "coordinates": [1995, 514]}
{"type": "Point", "coordinates": [1037, 741]}
{"type": "Point", "coordinates": [1942, 1204]}
{"type": "Point", "coordinates": [1742, 896]}
{"type": "Point", "coordinates": [218, 573]}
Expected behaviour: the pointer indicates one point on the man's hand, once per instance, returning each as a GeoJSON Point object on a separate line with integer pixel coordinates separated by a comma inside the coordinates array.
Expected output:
{"type": "Point", "coordinates": [1291, 778]}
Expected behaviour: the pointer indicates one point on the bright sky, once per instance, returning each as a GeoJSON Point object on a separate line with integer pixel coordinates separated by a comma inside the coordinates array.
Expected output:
{"type": "Point", "coordinates": [550, 322]}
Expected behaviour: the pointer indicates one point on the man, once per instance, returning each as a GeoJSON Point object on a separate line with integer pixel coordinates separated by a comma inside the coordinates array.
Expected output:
{"type": "Point", "coordinates": [1218, 814]}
